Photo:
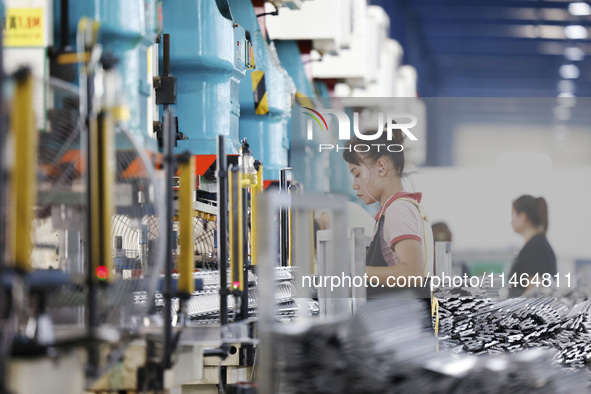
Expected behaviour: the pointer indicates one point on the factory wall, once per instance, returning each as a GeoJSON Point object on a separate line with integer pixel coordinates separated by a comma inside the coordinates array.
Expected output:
{"type": "Point", "coordinates": [476, 204]}
{"type": "Point", "coordinates": [482, 145]}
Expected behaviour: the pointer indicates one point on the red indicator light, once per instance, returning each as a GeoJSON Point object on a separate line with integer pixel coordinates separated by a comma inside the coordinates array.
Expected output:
{"type": "Point", "coordinates": [102, 273]}
{"type": "Point", "coordinates": [236, 285]}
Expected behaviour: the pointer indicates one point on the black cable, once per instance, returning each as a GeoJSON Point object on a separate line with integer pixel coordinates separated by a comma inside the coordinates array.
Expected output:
{"type": "Point", "coordinates": [276, 12]}
{"type": "Point", "coordinates": [222, 378]}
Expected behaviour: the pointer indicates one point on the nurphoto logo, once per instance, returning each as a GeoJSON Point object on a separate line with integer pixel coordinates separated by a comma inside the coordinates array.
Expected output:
{"type": "Point", "coordinates": [402, 122]}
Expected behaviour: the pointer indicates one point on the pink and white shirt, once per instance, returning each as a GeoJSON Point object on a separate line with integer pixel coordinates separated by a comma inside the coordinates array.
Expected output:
{"type": "Point", "coordinates": [403, 220]}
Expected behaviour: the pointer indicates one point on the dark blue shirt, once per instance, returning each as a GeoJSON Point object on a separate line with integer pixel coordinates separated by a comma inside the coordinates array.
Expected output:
{"type": "Point", "coordinates": [536, 257]}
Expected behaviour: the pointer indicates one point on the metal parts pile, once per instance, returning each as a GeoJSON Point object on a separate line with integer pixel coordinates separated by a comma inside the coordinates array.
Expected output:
{"type": "Point", "coordinates": [204, 306]}
{"type": "Point", "coordinates": [383, 349]}
{"type": "Point", "coordinates": [481, 325]}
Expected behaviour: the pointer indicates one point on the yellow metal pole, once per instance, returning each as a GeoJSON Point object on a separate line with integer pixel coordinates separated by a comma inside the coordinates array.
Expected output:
{"type": "Point", "coordinates": [186, 283]}
{"type": "Point", "coordinates": [102, 173]}
{"type": "Point", "coordinates": [239, 223]}
{"type": "Point", "coordinates": [24, 190]}
{"type": "Point", "coordinates": [254, 218]}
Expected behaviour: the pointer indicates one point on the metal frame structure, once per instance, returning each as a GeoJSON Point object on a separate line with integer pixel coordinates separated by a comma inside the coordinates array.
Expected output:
{"type": "Point", "coordinates": [268, 257]}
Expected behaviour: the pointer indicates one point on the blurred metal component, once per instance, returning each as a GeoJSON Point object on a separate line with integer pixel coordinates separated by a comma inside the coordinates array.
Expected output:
{"type": "Point", "coordinates": [239, 332]}
{"type": "Point", "coordinates": [165, 84]}
{"type": "Point", "coordinates": [168, 264]}
{"type": "Point", "coordinates": [40, 329]}
{"type": "Point", "coordinates": [443, 258]}
{"type": "Point", "coordinates": [268, 258]}
{"type": "Point", "coordinates": [143, 244]}
{"type": "Point", "coordinates": [359, 293]}
{"type": "Point", "coordinates": [222, 233]}
{"type": "Point", "coordinates": [382, 348]}
{"type": "Point", "coordinates": [483, 325]}
{"type": "Point", "coordinates": [246, 163]}
{"type": "Point", "coordinates": [284, 222]}
{"type": "Point", "coordinates": [204, 306]}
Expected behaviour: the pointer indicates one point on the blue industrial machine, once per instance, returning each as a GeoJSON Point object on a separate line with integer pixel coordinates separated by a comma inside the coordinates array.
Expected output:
{"type": "Point", "coordinates": [310, 167]}
{"type": "Point", "coordinates": [209, 55]}
{"type": "Point", "coordinates": [127, 33]}
{"type": "Point", "coordinates": [265, 98]}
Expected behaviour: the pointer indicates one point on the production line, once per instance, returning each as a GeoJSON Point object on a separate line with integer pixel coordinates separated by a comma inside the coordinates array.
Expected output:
{"type": "Point", "coordinates": [162, 200]}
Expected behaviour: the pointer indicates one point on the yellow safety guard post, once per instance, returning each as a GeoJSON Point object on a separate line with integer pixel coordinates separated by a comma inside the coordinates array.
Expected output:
{"type": "Point", "coordinates": [102, 176]}
{"type": "Point", "coordinates": [186, 284]}
{"type": "Point", "coordinates": [235, 230]}
{"type": "Point", "coordinates": [238, 277]}
{"type": "Point", "coordinates": [24, 173]}
{"type": "Point", "coordinates": [254, 199]}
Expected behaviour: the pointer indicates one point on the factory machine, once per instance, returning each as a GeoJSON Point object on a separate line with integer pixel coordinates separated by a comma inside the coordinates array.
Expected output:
{"type": "Point", "coordinates": [143, 136]}
{"type": "Point", "coordinates": [134, 188]}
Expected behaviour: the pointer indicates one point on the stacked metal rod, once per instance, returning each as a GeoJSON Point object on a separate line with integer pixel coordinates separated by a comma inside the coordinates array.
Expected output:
{"type": "Point", "coordinates": [383, 349]}
{"type": "Point", "coordinates": [561, 321]}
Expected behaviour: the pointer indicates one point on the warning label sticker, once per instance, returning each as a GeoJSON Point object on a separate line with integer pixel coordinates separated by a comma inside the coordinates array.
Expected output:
{"type": "Point", "coordinates": [23, 27]}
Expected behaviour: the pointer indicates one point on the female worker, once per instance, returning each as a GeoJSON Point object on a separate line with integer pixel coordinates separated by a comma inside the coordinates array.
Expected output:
{"type": "Point", "coordinates": [401, 249]}
{"type": "Point", "coordinates": [529, 217]}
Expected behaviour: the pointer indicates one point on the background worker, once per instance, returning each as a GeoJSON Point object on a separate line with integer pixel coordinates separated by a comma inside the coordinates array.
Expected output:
{"type": "Point", "coordinates": [529, 217]}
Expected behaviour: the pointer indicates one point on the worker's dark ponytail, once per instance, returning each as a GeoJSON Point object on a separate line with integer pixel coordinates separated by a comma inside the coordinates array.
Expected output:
{"type": "Point", "coordinates": [543, 213]}
{"type": "Point", "coordinates": [535, 209]}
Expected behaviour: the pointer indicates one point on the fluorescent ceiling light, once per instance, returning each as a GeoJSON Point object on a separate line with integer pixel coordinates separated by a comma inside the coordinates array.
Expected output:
{"type": "Point", "coordinates": [566, 86]}
{"type": "Point", "coordinates": [579, 9]}
{"type": "Point", "coordinates": [575, 32]}
{"type": "Point", "coordinates": [574, 54]}
{"type": "Point", "coordinates": [569, 71]}
{"type": "Point", "coordinates": [550, 32]}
